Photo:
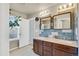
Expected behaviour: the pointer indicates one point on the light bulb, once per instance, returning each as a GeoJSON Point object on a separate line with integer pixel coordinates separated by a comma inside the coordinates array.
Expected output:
{"type": "Point", "coordinates": [70, 4]}
{"type": "Point", "coordinates": [45, 11]}
{"type": "Point", "coordinates": [64, 6]}
{"type": "Point", "coordinates": [60, 7]}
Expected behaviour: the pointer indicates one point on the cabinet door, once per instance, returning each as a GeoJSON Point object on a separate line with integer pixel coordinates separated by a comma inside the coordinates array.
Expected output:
{"type": "Point", "coordinates": [48, 44]}
{"type": "Point", "coordinates": [65, 48]}
{"type": "Point", "coordinates": [40, 47]}
{"type": "Point", "coordinates": [46, 51]}
{"type": "Point", "coordinates": [46, 48]}
{"type": "Point", "coordinates": [35, 46]}
{"type": "Point", "coordinates": [57, 52]}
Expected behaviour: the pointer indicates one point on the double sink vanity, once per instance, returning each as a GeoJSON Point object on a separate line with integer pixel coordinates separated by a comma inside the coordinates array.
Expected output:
{"type": "Point", "coordinates": [54, 47]}
{"type": "Point", "coordinates": [50, 44]}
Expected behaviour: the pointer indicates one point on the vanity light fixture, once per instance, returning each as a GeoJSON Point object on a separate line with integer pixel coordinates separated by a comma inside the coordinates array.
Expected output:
{"type": "Point", "coordinates": [44, 13]}
{"type": "Point", "coordinates": [65, 7]}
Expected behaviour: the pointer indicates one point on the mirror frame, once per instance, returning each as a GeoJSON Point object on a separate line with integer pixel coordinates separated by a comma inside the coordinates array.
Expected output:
{"type": "Point", "coordinates": [71, 20]}
{"type": "Point", "coordinates": [44, 18]}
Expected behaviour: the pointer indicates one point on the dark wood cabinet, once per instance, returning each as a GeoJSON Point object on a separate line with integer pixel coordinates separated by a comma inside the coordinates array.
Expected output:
{"type": "Point", "coordinates": [64, 48]}
{"type": "Point", "coordinates": [45, 48]}
{"type": "Point", "coordinates": [57, 52]}
{"type": "Point", "coordinates": [37, 47]}
{"type": "Point", "coordinates": [40, 47]}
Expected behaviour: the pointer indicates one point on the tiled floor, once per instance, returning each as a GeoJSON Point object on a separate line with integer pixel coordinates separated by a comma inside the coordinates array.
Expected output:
{"type": "Point", "coordinates": [25, 51]}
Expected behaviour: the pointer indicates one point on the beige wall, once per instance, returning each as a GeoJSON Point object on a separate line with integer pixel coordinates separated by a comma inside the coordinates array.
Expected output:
{"type": "Point", "coordinates": [4, 29]}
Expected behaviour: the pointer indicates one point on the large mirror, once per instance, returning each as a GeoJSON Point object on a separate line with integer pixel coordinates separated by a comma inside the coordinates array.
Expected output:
{"type": "Point", "coordinates": [45, 23]}
{"type": "Point", "coordinates": [62, 21]}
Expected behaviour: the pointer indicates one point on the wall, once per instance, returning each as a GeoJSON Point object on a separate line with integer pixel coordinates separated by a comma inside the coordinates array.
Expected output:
{"type": "Point", "coordinates": [4, 29]}
{"type": "Point", "coordinates": [34, 27]}
{"type": "Point", "coordinates": [77, 24]}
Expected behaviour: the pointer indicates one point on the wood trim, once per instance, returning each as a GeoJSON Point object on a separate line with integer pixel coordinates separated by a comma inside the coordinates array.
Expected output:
{"type": "Point", "coordinates": [45, 18]}
{"type": "Point", "coordinates": [61, 14]}
{"type": "Point", "coordinates": [71, 20]}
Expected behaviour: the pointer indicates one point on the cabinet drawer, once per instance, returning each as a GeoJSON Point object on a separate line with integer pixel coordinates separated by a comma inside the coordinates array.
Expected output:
{"type": "Point", "coordinates": [48, 44]}
{"type": "Point", "coordinates": [57, 52]}
{"type": "Point", "coordinates": [65, 48]}
{"type": "Point", "coordinates": [45, 48]}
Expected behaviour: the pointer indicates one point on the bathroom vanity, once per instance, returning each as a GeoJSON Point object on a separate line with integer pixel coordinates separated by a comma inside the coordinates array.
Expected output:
{"type": "Point", "coordinates": [45, 46]}
{"type": "Point", "coordinates": [54, 40]}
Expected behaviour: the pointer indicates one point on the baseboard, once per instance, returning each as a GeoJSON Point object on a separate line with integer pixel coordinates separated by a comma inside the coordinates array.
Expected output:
{"type": "Point", "coordinates": [24, 45]}
{"type": "Point", "coordinates": [19, 47]}
{"type": "Point", "coordinates": [13, 49]}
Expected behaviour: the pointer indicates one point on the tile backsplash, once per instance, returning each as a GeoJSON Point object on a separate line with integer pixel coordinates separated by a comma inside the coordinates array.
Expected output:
{"type": "Point", "coordinates": [62, 34]}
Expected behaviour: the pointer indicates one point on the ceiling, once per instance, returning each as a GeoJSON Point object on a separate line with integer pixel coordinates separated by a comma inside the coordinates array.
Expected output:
{"type": "Point", "coordinates": [30, 8]}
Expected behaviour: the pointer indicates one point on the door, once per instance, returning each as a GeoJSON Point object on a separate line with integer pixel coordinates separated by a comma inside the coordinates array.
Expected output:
{"type": "Point", "coordinates": [24, 29]}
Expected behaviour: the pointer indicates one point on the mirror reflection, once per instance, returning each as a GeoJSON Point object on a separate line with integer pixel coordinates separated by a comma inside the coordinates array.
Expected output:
{"type": "Point", "coordinates": [62, 21]}
{"type": "Point", "coordinates": [45, 23]}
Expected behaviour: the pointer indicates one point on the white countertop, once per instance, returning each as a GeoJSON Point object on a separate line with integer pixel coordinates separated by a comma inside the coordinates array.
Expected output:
{"type": "Point", "coordinates": [59, 41]}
